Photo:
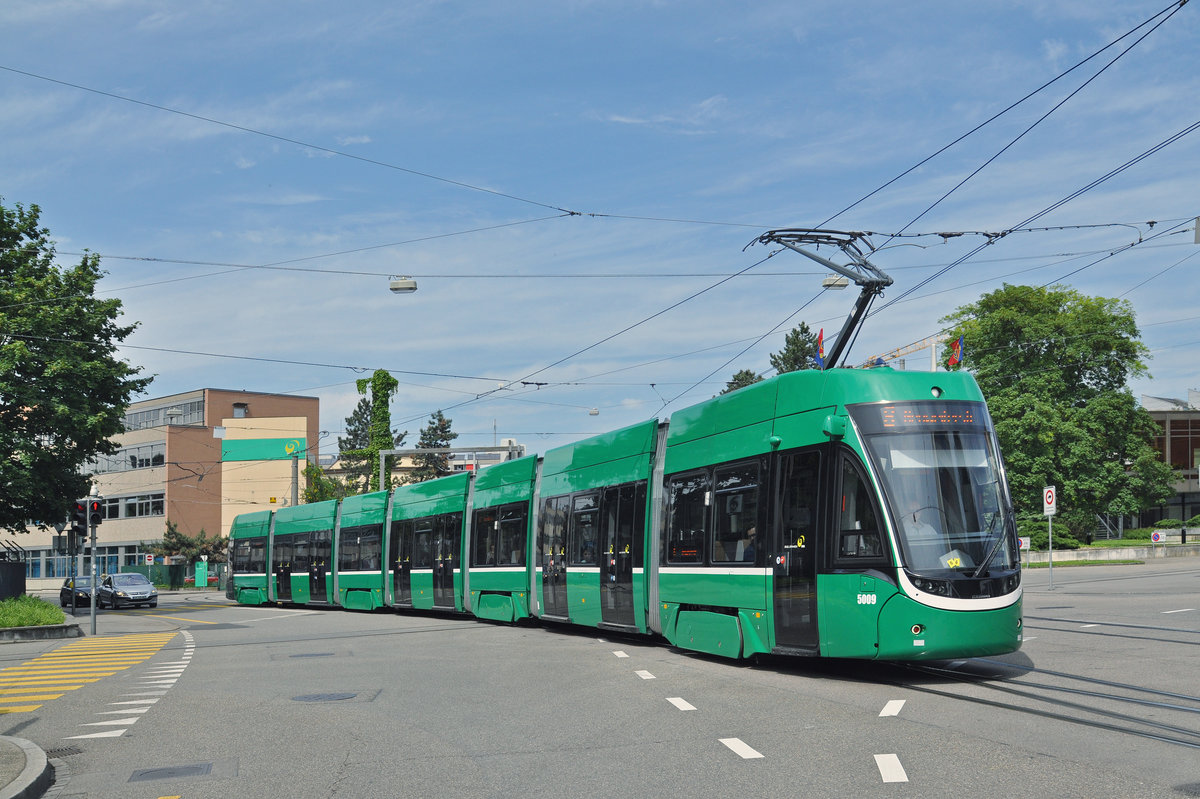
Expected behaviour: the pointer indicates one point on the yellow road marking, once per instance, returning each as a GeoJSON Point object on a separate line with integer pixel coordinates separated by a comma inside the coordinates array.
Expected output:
{"type": "Point", "coordinates": [72, 666]}
{"type": "Point", "coordinates": [180, 618]}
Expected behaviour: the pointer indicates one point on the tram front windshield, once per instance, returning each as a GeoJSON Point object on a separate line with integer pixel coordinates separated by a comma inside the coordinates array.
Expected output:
{"type": "Point", "coordinates": [941, 475]}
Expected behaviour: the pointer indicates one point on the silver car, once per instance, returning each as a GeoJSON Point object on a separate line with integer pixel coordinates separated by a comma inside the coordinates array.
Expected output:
{"type": "Point", "coordinates": [124, 590]}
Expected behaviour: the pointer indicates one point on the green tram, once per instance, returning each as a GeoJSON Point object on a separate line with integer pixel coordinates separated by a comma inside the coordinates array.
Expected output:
{"type": "Point", "coordinates": [851, 513]}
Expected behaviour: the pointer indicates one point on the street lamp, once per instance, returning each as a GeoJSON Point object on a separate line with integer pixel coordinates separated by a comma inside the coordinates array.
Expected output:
{"type": "Point", "coordinates": [402, 284]}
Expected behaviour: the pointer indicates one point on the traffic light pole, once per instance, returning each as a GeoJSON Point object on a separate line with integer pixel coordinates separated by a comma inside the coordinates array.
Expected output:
{"type": "Point", "coordinates": [94, 575]}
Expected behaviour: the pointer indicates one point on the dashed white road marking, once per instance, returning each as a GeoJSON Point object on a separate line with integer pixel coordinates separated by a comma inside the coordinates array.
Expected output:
{"type": "Point", "coordinates": [890, 768]}
{"type": "Point", "coordinates": [111, 723]}
{"type": "Point", "coordinates": [123, 711]}
{"type": "Point", "coordinates": [680, 703]}
{"type": "Point", "coordinates": [107, 734]}
{"type": "Point", "coordinates": [645, 675]}
{"type": "Point", "coordinates": [1181, 610]}
{"type": "Point", "coordinates": [620, 654]}
{"type": "Point", "coordinates": [740, 748]}
{"type": "Point", "coordinates": [1085, 626]}
{"type": "Point", "coordinates": [892, 708]}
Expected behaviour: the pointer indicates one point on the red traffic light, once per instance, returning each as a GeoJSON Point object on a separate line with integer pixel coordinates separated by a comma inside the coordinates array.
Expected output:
{"type": "Point", "coordinates": [95, 511]}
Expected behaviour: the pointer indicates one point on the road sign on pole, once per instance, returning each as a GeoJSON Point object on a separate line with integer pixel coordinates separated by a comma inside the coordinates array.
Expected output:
{"type": "Point", "coordinates": [1049, 501]}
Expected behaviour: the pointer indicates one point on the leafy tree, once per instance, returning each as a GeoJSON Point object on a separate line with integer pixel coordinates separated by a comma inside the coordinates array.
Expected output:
{"type": "Point", "coordinates": [1054, 366]}
{"type": "Point", "coordinates": [741, 379]}
{"type": "Point", "coordinates": [320, 486]}
{"type": "Point", "coordinates": [63, 390]}
{"type": "Point", "coordinates": [799, 351]}
{"type": "Point", "coordinates": [177, 544]}
{"type": "Point", "coordinates": [434, 435]}
{"type": "Point", "coordinates": [368, 431]}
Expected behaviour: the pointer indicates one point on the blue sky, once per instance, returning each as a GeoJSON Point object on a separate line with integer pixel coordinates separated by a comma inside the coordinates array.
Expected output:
{"type": "Point", "coordinates": [343, 143]}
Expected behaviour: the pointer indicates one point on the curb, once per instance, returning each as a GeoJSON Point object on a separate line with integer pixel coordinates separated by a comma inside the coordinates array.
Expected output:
{"type": "Point", "coordinates": [44, 632]}
{"type": "Point", "coordinates": [35, 778]}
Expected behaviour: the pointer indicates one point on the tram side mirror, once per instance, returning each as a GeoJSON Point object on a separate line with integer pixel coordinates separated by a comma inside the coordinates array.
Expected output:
{"type": "Point", "coordinates": [835, 426]}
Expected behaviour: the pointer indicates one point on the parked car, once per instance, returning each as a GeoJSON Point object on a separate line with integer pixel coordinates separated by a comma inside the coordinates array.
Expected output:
{"type": "Point", "coordinates": [126, 590]}
{"type": "Point", "coordinates": [82, 586]}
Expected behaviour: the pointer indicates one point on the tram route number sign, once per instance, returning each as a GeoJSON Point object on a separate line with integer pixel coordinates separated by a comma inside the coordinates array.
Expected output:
{"type": "Point", "coordinates": [1049, 501]}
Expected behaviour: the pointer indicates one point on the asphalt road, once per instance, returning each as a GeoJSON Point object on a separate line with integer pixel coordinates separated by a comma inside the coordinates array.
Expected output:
{"type": "Point", "coordinates": [201, 699]}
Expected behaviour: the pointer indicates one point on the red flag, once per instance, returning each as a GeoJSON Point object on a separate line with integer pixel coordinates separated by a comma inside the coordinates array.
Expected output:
{"type": "Point", "coordinates": [956, 353]}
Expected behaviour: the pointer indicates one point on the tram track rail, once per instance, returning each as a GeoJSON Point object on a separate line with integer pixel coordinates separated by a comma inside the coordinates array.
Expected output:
{"type": "Point", "coordinates": [1042, 698]}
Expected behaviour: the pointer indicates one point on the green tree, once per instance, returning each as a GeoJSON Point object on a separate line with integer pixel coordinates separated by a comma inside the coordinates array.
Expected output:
{"type": "Point", "coordinates": [319, 486]}
{"type": "Point", "coordinates": [63, 390]}
{"type": "Point", "coordinates": [741, 379]}
{"type": "Point", "coordinates": [434, 435]}
{"type": "Point", "coordinates": [1054, 366]}
{"type": "Point", "coordinates": [799, 351]}
{"type": "Point", "coordinates": [372, 422]}
{"type": "Point", "coordinates": [177, 544]}
{"type": "Point", "coordinates": [357, 457]}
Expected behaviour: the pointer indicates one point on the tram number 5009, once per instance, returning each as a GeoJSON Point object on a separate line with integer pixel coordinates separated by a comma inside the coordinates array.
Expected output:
{"type": "Point", "coordinates": [866, 599]}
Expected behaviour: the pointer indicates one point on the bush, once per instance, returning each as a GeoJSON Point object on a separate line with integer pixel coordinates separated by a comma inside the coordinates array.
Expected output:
{"type": "Point", "coordinates": [1039, 539]}
{"type": "Point", "coordinates": [29, 611]}
{"type": "Point", "coordinates": [1194, 521]}
{"type": "Point", "coordinates": [1168, 524]}
{"type": "Point", "coordinates": [1139, 533]}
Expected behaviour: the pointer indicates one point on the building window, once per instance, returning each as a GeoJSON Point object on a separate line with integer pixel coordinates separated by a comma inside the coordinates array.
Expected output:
{"type": "Point", "coordinates": [240, 410]}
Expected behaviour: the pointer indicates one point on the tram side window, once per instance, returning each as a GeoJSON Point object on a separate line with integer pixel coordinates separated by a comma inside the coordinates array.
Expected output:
{"type": "Point", "coordinates": [423, 544]}
{"type": "Point", "coordinates": [735, 537]}
{"type": "Point", "coordinates": [689, 497]}
{"type": "Point", "coordinates": [359, 547]}
{"type": "Point", "coordinates": [401, 543]}
{"type": "Point", "coordinates": [510, 547]}
{"type": "Point", "coordinates": [483, 541]}
{"type": "Point", "coordinates": [800, 493]}
{"type": "Point", "coordinates": [302, 552]}
{"type": "Point", "coordinates": [551, 528]}
{"type": "Point", "coordinates": [859, 536]}
{"type": "Point", "coordinates": [583, 534]}
{"type": "Point", "coordinates": [258, 555]}
{"type": "Point", "coordinates": [249, 555]}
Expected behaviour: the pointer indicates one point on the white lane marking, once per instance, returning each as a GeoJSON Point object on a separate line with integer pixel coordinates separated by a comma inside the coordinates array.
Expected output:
{"type": "Point", "coordinates": [122, 712]}
{"type": "Point", "coordinates": [130, 720]}
{"type": "Point", "coordinates": [1085, 626]}
{"type": "Point", "coordinates": [645, 675]}
{"type": "Point", "coordinates": [890, 768]}
{"type": "Point", "coordinates": [147, 693]}
{"type": "Point", "coordinates": [135, 701]}
{"type": "Point", "coordinates": [620, 654]}
{"type": "Point", "coordinates": [680, 703]}
{"type": "Point", "coordinates": [1181, 610]}
{"type": "Point", "coordinates": [107, 734]}
{"type": "Point", "coordinates": [742, 750]}
{"type": "Point", "coordinates": [892, 708]}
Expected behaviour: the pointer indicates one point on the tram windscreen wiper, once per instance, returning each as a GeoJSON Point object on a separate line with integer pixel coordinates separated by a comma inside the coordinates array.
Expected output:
{"type": "Point", "coordinates": [991, 552]}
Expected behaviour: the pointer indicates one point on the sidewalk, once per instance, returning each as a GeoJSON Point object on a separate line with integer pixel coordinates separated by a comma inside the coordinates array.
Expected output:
{"type": "Point", "coordinates": [25, 773]}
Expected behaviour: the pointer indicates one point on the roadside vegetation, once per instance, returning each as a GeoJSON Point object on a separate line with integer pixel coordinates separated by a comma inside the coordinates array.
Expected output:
{"type": "Point", "coordinates": [29, 611]}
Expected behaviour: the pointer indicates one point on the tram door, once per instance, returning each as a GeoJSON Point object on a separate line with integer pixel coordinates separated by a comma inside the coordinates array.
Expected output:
{"type": "Point", "coordinates": [619, 518]}
{"type": "Point", "coordinates": [400, 556]}
{"type": "Point", "coordinates": [795, 551]}
{"type": "Point", "coordinates": [447, 543]}
{"type": "Point", "coordinates": [322, 549]}
{"type": "Point", "coordinates": [552, 548]}
{"type": "Point", "coordinates": [281, 565]}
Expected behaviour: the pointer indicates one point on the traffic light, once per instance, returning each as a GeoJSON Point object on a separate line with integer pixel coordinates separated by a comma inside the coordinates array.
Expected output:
{"type": "Point", "coordinates": [95, 511]}
{"type": "Point", "coordinates": [79, 518]}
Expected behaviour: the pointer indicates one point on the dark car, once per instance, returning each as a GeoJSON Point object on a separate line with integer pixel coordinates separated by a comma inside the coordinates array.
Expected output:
{"type": "Point", "coordinates": [126, 590]}
{"type": "Point", "coordinates": [82, 587]}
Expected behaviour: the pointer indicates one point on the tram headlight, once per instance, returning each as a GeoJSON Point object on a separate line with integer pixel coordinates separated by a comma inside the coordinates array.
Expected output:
{"type": "Point", "coordinates": [935, 587]}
